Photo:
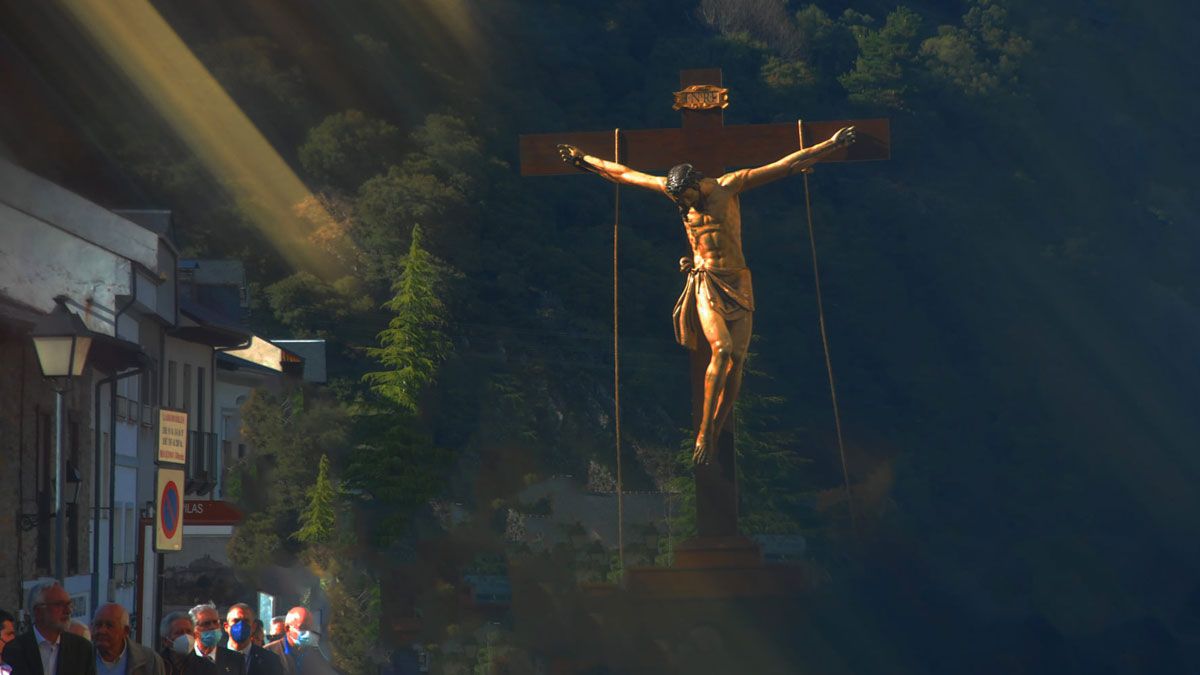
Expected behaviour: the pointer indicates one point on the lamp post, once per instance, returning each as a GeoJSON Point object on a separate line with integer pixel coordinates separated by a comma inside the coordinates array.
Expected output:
{"type": "Point", "coordinates": [62, 342]}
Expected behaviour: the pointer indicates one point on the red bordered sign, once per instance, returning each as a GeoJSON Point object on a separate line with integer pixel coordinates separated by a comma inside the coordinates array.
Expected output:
{"type": "Point", "coordinates": [168, 518]}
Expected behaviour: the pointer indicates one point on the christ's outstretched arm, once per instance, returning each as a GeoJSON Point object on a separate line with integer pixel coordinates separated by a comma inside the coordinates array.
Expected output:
{"type": "Point", "coordinates": [797, 161]}
{"type": "Point", "coordinates": [617, 173]}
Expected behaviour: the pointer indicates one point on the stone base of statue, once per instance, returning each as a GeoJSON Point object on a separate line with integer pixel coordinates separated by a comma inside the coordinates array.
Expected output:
{"type": "Point", "coordinates": [718, 609]}
{"type": "Point", "coordinates": [715, 567]}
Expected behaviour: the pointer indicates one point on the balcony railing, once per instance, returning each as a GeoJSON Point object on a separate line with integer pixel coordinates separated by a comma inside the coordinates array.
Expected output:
{"type": "Point", "coordinates": [201, 462]}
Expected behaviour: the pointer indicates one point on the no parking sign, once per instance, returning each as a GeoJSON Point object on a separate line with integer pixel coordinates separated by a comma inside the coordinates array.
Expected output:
{"type": "Point", "coordinates": [168, 521]}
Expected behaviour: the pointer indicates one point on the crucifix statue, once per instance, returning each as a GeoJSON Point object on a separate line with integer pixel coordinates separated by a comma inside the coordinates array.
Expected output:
{"type": "Point", "coordinates": [717, 303]}
{"type": "Point", "coordinates": [713, 316]}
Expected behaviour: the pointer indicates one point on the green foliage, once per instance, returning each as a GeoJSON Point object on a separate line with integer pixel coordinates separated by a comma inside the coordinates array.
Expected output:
{"type": "Point", "coordinates": [415, 342]}
{"type": "Point", "coordinates": [776, 492]}
{"type": "Point", "coordinates": [354, 618]}
{"type": "Point", "coordinates": [828, 46]}
{"type": "Point", "coordinates": [310, 307]}
{"type": "Point", "coordinates": [881, 72]}
{"type": "Point", "coordinates": [347, 148]}
{"type": "Point", "coordinates": [256, 542]}
{"type": "Point", "coordinates": [395, 469]}
{"type": "Point", "coordinates": [257, 73]}
{"type": "Point", "coordinates": [779, 73]}
{"type": "Point", "coordinates": [319, 517]}
{"type": "Point", "coordinates": [980, 57]}
{"type": "Point", "coordinates": [448, 150]}
{"type": "Point", "coordinates": [289, 433]}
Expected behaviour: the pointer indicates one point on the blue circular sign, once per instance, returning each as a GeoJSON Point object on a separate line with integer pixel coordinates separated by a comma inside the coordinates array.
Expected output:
{"type": "Point", "coordinates": [169, 509]}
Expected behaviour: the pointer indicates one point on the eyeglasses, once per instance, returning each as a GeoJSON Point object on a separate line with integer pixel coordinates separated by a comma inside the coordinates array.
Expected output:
{"type": "Point", "coordinates": [61, 604]}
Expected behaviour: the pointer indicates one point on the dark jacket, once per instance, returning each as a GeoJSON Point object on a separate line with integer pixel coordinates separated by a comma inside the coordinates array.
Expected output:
{"type": "Point", "coordinates": [186, 664]}
{"type": "Point", "coordinates": [75, 655]}
{"type": "Point", "coordinates": [262, 662]}
{"type": "Point", "coordinates": [312, 663]}
{"type": "Point", "coordinates": [229, 662]}
{"type": "Point", "coordinates": [143, 660]}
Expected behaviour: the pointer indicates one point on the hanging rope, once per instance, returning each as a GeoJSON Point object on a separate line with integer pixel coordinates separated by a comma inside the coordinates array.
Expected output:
{"type": "Point", "coordinates": [617, 364]}
{"type": "Point", "coordinates": [837, 416]}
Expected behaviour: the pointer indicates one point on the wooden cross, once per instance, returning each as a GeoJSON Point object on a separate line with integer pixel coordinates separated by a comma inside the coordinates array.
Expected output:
{"type": "Point", "coordinates": [704, 141]}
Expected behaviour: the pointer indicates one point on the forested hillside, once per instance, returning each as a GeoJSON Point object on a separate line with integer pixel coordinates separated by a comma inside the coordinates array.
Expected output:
{"type": "Point", "coordinates": [1011, 299]}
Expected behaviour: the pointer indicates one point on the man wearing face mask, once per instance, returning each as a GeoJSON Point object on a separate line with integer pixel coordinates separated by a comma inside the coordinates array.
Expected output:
{"type": "Point", "coordinates": [48, 648]}
{"type": "Point", "coordinates": [277, 629]}
{"type": "Point", "coordinates": [239, 624]}
{"type": "Point", "coordinates": [116, 654]}
{"type": "Point", "coordinates": [208, 641]}
{"type": "Point", "coordinates": [299, 649]}
{"type": "Point", "coordinates": [178, 647]}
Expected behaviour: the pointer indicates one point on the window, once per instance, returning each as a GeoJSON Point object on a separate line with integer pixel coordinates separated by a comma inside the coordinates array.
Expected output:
{"type": "Point", "coordinates": [186, 403]}
{"type": "Point", "coordinates": [200, 399]}
{"type": "Point", "coordinates": [148, 383]}
{"type": "Point", "coordinates": [171, 384]}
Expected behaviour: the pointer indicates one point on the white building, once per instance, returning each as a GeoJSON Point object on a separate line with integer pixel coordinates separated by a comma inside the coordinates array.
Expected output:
{"type": "Point", "coordinates": [118, 273]}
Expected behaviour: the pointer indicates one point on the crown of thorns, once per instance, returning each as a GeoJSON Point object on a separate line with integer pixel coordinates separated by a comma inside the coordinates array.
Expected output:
{"type": "Point", "coordinates": [682, 177]}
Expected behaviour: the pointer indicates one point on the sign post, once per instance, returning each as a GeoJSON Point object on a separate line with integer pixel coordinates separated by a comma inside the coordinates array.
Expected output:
{"type": "Point", "coordinates": [171, 460]}
{"type": "Point", "coordinates": [168, 521]}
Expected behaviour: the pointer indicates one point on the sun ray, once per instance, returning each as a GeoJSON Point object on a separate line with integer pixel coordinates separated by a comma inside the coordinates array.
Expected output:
{"type": "Point", "coordinates": [144, 47]}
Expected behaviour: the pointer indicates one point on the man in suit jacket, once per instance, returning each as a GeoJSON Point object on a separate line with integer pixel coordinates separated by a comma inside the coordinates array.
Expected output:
{"type": "Point", "coordinates": [239, 625]}
{"type": "Point", "coordinates": [178, 654]}
{"type": "Point", "coordinates": [48, 649]}
{"type": "Point", "coordinates": [299, 647]}
{"type": "Point", "coordinates": [116, 654]}
{"type": "Point", "coordinates": [208, 641]}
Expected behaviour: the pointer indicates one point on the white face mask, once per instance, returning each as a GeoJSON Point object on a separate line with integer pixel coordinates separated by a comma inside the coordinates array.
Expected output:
{"type": "Point", "coordinates": [183, 644]}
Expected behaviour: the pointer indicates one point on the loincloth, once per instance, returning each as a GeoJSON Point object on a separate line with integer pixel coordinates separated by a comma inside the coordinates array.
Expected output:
{"type": "Point", "coordinates": [730, 293]}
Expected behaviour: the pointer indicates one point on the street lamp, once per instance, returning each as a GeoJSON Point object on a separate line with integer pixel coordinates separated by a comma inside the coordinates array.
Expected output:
{"type": "Point", "coordinates": [62, 342]}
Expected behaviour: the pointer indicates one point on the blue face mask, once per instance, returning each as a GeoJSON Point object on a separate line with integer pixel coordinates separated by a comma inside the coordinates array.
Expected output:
{"type": "Point", "coordinates": [307, 638]}
{"type": "Point", "coordinates": [210, 638]}
{"type": "Point", "coordinates": [240, 631]}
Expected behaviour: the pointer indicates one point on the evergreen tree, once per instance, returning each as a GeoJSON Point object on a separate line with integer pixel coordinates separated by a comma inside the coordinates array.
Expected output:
{"type": "Point", "coordinates": [317, 520]}
{"type": "Point", "coordinates": [881, 73]}
{"type": "Point", "coordinates": [415, 342]}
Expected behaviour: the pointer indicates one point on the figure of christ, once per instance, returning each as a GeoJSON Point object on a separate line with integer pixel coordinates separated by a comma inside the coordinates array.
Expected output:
{"type": "Point", "coordinates": [717, 303]}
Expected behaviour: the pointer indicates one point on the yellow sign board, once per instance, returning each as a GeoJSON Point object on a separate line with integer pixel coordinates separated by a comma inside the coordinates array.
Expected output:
{"type": "Point", "coordinates": [172, 436]}
{"type": "Point", "coordinates": [168, 517]}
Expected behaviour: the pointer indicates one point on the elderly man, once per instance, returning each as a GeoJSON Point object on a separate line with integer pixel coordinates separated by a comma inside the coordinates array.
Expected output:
{"type": "Point", "coordinates": [8, 633]}
{"type": "Point", "coordinates": [299, 648]}
{"type": "Point", "coordinates": [49, 649]}
{"type": "Point", "coordinates": [116, 654]}
{"type": "Point", "coordinates": [208, 641]}
{"type": "Point", "coordinates": [239, 625]}
{"type": "Point", "coordinates": [178, 636]}
{"type": "Point", "coordinates": [277, 629]}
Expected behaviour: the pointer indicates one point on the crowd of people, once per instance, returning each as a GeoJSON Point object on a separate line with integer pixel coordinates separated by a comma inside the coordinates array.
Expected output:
{"type": "Point", "coordinates": [196, 642]}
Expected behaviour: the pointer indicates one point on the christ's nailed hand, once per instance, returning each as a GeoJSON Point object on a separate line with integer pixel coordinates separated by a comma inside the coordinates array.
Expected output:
{"type": "Point", "coordinates": [844, 136]}
{"type": "Point", "coordinates": [570, 154]}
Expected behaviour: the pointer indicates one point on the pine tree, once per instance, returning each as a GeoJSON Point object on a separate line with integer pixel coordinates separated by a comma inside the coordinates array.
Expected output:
{"type": "Point", "coordinates": [318, 518]}
{"type": "Point", "coordinates": [415, 342]}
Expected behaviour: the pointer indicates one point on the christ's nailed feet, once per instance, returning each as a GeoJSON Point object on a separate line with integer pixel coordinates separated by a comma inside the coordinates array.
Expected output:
{"type": "Point", "coordinates": [703, 452]}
